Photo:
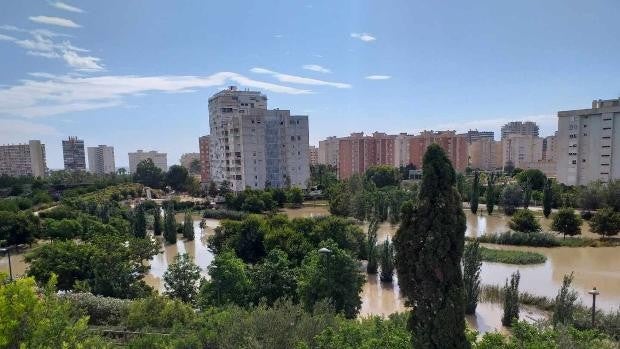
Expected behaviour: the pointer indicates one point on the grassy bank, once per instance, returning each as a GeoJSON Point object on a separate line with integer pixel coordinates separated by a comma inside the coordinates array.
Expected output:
{"type": "Point", "coordinates": [516, 238]}
{"type": "Point", "coordinates": [512, 257]}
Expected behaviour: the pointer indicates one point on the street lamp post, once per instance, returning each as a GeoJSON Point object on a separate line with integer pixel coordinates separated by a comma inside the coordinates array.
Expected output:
{"type": "Point", "coordinates": [7, 250]}
{"type": "Point", "coordinates": [594, 292]}
{"type": "Point", "coordinates": [327, 252]}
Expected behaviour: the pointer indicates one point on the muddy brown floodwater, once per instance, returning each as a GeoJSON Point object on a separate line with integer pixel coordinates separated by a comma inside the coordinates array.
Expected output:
{"type": "Point", "coordinates": [598, 267]}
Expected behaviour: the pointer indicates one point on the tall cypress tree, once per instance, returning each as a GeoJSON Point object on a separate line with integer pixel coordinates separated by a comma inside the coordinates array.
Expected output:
{"type": "Point", "coordinates": [472, 262]}
{"type": "Point", "coordinates": [170, 226]}
{"type": "Point", "coordinates": [157, 221]}
{"type": "Point", "coordinates": [139, 222]}
{"type": "Point", "coordinates": [475, 193]}
{"type": "Point", "coordinates": [490, 193]}
{"type": "Point", "coordinates": [429, 245]}
{"type": "Point", "coordinates": [188, 226]}
{"type": "Point", "coordinates": [547, 199]}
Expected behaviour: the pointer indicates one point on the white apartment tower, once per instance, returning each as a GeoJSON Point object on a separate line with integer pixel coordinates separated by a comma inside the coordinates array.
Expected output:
{"type": "Point", "coordinates": [251, 146]}
{"type": "Point", "coordinates": [101, 159]}
{"type": "Point", "coordinates": [588, 143]}
{"type": "Point", "coordinates": [23, 159]}
{"type": "Point", "coordinates": [522, 150]}
{"type": "Point", "coordinates": [159, 159]}
{"type": "Point", "coordinates": [526, 128]}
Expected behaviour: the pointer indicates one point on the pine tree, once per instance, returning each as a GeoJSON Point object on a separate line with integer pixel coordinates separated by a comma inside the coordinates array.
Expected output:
{"type": "Point", "coordinates": [472, 262]}
{"type": "Point", "coordinates": [188, 226]}
{"type": "Point", "coordinates": [139, 222]}
{"type": "Point", "coordinates": [429, 245]}
{"type": "Point", "coordinates": [386, 261]}
{"type": "Point", "coordinates": [547, 199]}
{"type": "Point", "coordinates": [371, 247]}
{"type": "Point", "coordinates": [511, 299]}
{"type": "Point", "coordinates": [490, 195]}
{"type": "Point", "coordinates": [475, 193]}
{"type": "Point", "coordinates": [170, 226]}
{"type": "Point", "coordinates": [157, 222]}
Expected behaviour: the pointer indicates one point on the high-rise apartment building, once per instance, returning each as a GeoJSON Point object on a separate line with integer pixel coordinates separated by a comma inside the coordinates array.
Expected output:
{"type": "Point", "coordinates": [454, 145]}
{"type": "Point", "coordinates": [101, 159]}
{"type": "Point", "coordinates": [401, 149]}
{"type": "Point", "coordinates": [254, 147]}
{"type": "Point", "coordinates": [527, 128]}
{"type": "Point", "coordinates": [485, 154]}
{"type": "Point", "coordinates": [475, 135]}
{"type": "Point", "coordinates": [205, 164]}
{"type": "Point", "coordinates": [187, 159]}
{"type": "Point", "coordinates": [588, 143]}
{"type": "Point", "coordinates": [313, 152]}
{"type": "Point", "coordinates": [550, 147]}
{"type": "Point", "coordinates": [522, 150]}
{"type": "Point", "coordinates": [73, 154]}
{"type": "Point", "coordinates": [329, 151]}
{"type": "Point", "coordinates": [159, 159]}
{"type": "Point", "coordinates": [358, 152]}
{"type": "Point", "coordinates": [23, 159]}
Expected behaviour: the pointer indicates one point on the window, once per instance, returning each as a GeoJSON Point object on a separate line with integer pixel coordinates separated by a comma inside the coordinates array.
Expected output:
{"type": "Point", "coordinates": [574, 162]}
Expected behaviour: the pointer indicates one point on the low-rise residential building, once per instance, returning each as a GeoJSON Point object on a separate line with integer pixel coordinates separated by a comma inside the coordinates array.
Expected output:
{"type": "Point", "coordinates": [23, 159]}
{"type": "Point", "coordinates": [101, 159]}
{"type": "Point", "coordinates": [159, 159]}
{"type": "Point", "coordinates": [588, 143]}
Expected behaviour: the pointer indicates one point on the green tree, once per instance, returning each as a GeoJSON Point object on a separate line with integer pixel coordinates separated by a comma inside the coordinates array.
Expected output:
{"type": "Point", "coordinates": [475, 193]}
{"type": "Point", "coordinates": [567, 222]}
{"type": "Point", "coordinates": [605, 222]}
{"type": "Point", "coordinates": [68, 260]}
{"type": "Point", "coordinates": [535, 178]}
{"type": "Point", "coordinates": [188, 226]}
{"type": "Point", "coordinates": [230, 282]}
{"type": "Point", "coordinates": [565, 302]}
{"type": "Point", "coordinates": [547, 199]}
{"type": "Point", "coordinates": [177, 177]}
{"type": "Point", "coordinates": [248, 241]}
{"type": "Point", "coordinates": [225, 188]}
{"type": "Point", "coordinates": [591, 197]}
{"type": "Point", "coordinates": [511, 300]}
{"type": "Point", "coordinates": [253, 204]}
{"type": "Point", "coordinates": [490, 195]}
{"type": "Point", "coordinates": [170, 226]}
{"type": "Point", "coordinates": [512, 197]}
{"type": "Point", "coordinates": [212, 189]}
{"type": "Point", "coordinates": [383, 175]}
{"type": "Point", "coordinates": [195, 167]}
{"type": "Point", "coordinates": [139, 222]}
{"type": "Point", "coordinates": [18, 227]}
{"type": "Point", "coordinates": [527, 194]}
{"type": "Point", "coordinates": [273, 278]}
{"type": "Point", "coordinates": [472, 262]}
{"type": "Point", "coordinates": [612, 198]}
{"type": "Point", "coordinates": [332, 276]}
{"type": "Point", "coordinates": [62, 230]}
{"type": "Point", "coordinates": [296, 197]}
{"type": "Point", "coordinates": [372, 254]}
{"type": "Point", "coordinates": [524, 221]}
{"type": "Point", "coordinates": [148, 174]}
{"type": "Point", "coordinates": [181, 278]}
{"type": "Point", "coordinates": [157, 221]}
{"type": "Point", "coordinates": [386, 261]}
{"type": "Point", "coordinates": [279, 196]}
{"type": "Point", "coordinates": [429, 246]}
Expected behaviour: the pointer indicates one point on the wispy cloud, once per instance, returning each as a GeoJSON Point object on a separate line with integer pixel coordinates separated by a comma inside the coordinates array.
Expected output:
{"type": "Point", "coordinates": [52, 95]}
{"type": "Point", "coordinates": [378, 77]}
{"type": "Point", "coordinates": [278, 36]}
{"type": "Point", "coordinates": [15, 130]}
{"type": "Point", "coordinates": [43, 43]}
{"type": "Point", "coordinates": [62, 22]}
{"type": "Point", "coordinates": [299, 79]}
{"type": "Point", "coordinates": [316, 68]}
{"type": "Point", "coordinates": [66, 7]}
{"type": "Point", "coordinates": [363, 36]}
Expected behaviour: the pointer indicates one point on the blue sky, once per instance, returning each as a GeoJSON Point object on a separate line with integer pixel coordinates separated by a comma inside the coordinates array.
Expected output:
{"type": "Point", "coordinates": [137, 74]}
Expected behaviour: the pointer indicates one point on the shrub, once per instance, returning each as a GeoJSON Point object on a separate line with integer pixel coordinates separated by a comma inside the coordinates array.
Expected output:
{"type": "Point", "coordinates": [567, 222]}
{"type": "Point", "coordinates": [101, 310]}
{"type": "Point", "coordinates": [521, 239]}
{"type": "Point", "coordinates": [225, 214]}
{"type": "Point", "coordinates": [606, 222]}
{"type": "Point", "coordinates": [524, 221]}
{"type": "Point", "coordinates": [512, 257]}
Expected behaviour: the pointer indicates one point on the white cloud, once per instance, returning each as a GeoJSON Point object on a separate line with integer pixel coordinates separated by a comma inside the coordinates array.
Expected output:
{"type": "Point", "coordinates": [66, 7]}
{"type": "Point", "coordinates": [363, 36]}
{"type": "Point", "coordinates": [7, 37]}
{"type": "Point", "coordinates": [299, 79]}
{"type": "Point", "coordinates": [62, 22]}
{"type": "Point", "coordinates": [15, 130]}
{"type": "Point", "coordinates": [83, 63]}
{"type": "Point", "coordinates": [378, 77]}
{"type": "Point", "coordinates": [61, 94]}
{"type": "Point", "coordinates": [278, 36]}
{"type": "Point", "coordinates": [316, 68]}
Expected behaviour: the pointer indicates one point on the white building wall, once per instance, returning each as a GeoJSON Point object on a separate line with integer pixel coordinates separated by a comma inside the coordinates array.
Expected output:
{"type": "Point", "coordinates": [329, 150]}
{"type": "Point", "coordinates": [159, 159]}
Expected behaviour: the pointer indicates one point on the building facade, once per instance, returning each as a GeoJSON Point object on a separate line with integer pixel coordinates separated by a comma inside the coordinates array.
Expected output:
{"type": "Point", "coordinates": [401, 149]}
{"type": "Point", "coordinates": [73, 154]}
{"type": "Point", "coordinates": [251, 146]}
{"type": "Point", "coordinates": [550, 147]}
{"type": "Point", "coordinates": [588, 143]}
{"type": "Point", "coordinates": [313, 152]}
{"type": "Point", "coordinates": [101, 159]}
{"type": "Point", "coordinates": [23, 159]}
{"type": "Point", "coordinates": [329, 151]}
{"type": "Point", "coordinates": [205, 164]}
{"type": "Point", "coordinates": [187, 159]}
{"type": "Point", "coordinates": [525, 128]}
{"type": "Point", "coordinates": [521, 150]}
{"type": "Point", "coordinates": [485, 154]}
{"type": "Point", "coordinates": [359, 152]}
{"type": "Point", "coordinates": [159, 159]}
{"type": "Point", "coordinates": [475, 135]}
{"type": "Point", "coordinates": [454, 145]}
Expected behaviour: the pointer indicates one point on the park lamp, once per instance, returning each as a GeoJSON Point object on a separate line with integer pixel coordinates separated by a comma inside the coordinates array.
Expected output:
{"type": "Point", "coordinates": [325, 251]}
{"type": "Point", "coordinates": [594, 292]}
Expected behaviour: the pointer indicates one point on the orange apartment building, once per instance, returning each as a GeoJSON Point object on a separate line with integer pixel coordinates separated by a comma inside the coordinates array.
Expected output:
{"type": "Point", "coordinates": [358, 152]}
{"type": "Point", "coordinates": [454, 145]}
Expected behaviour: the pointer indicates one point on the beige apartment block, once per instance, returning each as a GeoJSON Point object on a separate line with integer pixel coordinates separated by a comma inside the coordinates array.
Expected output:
{"type": "Point", "coordinates": [159, 159]}
{"type": "Point", "coordinates": [588, 143]}
{"type": "Point", "coordinates": [519, 150]}
{"type": "Point", "coordinates": [101, 159]}
{"type": "Point", "coordinates": [329, 151]}
{"type": "Point", "coordinates": [23, 159]}
{"type": "Point", "coordinates": [314, 155]}
{"type": "Point", "coordinates": [485, 154]}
